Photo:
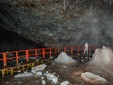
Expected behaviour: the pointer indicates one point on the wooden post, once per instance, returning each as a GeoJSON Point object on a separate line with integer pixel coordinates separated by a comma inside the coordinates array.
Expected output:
{"type": "Point", "coordinates": [27, 55]}
{"type": "Point", "coordinates": [17, 57]}
{"type": "Point", "coordinates": [4, 59]}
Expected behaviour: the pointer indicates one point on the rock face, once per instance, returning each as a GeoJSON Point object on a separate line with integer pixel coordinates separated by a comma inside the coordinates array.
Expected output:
{"type": "Point", "coordinates": [59, 23]}
{"type": "Point", "coordinates": [10, 41]}
{"type": "Point", "coordinates": [103, 59]}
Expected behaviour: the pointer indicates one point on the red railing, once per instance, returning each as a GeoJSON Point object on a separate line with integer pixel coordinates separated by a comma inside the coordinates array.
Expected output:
{"type": "Point", "coordinates": [43, 52]}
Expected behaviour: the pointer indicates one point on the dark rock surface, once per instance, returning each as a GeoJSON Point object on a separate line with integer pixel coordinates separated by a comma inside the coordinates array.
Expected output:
{"type": "Point", "coordinates": [10, 41]}
{"type": "Point", "coordinates": [60, 22]}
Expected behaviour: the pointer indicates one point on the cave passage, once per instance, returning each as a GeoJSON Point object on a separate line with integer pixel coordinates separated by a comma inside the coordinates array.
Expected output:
{"type": "Point", "coordinates": [10, 41]}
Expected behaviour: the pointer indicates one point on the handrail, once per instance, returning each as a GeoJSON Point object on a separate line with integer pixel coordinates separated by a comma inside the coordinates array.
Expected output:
{"type": "Point", "coordinates": [43, 52]}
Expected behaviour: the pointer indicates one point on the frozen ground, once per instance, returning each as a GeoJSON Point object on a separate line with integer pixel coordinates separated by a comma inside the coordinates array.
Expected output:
{"type": "Point", "coordinates": [57, 73]}
{"type": "Point", "coordinates": [71, 73]}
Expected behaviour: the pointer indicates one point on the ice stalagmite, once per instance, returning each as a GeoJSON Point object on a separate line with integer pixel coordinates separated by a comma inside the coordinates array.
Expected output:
{"type": "Point", "coordinates": [103, 58]}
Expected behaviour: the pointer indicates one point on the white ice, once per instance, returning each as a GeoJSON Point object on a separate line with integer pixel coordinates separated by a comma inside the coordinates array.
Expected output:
{"type": "Point", "coordinates": [22, 75]}
{"type": "Point", "coordinates": [39, 67]}
{"type": "Point", "coordinates": [103, 58]}
{"type": "Point", "coordinates": [37, 73]}
{"type": "Point", "coordinates": [91, 77]}
{"type": "Point", "coordinates": [64, 58]}
{"type": "Point", "coordinates": [86, 48]}
{"type": "Point", "coordinates": [65, 83]}
{"type": "Point", "coordinates": [52, 78]}
{"type": "Point", "coordinates": [43, 82]}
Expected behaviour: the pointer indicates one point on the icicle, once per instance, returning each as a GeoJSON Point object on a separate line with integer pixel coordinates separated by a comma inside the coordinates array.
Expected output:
{"type": "Point", "coordinates": [64, 4]}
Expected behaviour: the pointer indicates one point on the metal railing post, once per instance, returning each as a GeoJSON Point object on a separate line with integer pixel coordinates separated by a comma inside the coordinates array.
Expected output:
{"type": "Point", "coordinates": [4, 59]}
{"type": "Point", "coordinates": [36, 53]}
{"type": "Point", "coordinates": [17, 57]}
{"type": "Point", "coordinates": [50, 52]}
{"type": "Point", "coordinates": [43, 53]}
{"type": "Point", "coordinates": [27, 55]}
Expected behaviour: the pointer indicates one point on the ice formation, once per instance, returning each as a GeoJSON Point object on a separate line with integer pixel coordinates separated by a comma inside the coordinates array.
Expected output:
{"type": "Point", "coordinates": [38, 68]}
{"type": "Point", "coordinates": [22, 75]}
{"type": "Point", "coordinates": [92, 78]}
{"type": "Point", "coordinates": [86, 48]}
{"type": "Point", "coordinates": [64, 58]}
{"type": "Point", "coordinates": [43, 82]}
{"type": "Point", "coordinates": [103, 58]}
{"type": "Point", "coordinates": [65, 83]}
{"type": "Point", "coordinates": [52, 78]}
{"type": "Point", "coordinates": [37, 73]}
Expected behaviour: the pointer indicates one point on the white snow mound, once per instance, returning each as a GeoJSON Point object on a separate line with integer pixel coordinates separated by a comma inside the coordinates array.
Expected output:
{"type": "Point", "coordinates": [64, 58]}
{"type": "Point", "coordinates": [92, 78]}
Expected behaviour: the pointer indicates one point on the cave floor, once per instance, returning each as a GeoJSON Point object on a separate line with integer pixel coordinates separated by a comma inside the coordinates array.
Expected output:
{"type": "Point", "coordinates": [70, 73]}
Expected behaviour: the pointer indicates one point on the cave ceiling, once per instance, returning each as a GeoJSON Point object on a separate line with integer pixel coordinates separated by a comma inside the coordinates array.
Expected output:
{"type": "Point", "coordinates": [60, 22]}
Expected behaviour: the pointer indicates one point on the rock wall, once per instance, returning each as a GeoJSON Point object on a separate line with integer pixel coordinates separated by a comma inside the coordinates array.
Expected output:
{"type": "Point", "coordinates": [10, 41]}
{"type": "Point", "coordinates": [59, 23]}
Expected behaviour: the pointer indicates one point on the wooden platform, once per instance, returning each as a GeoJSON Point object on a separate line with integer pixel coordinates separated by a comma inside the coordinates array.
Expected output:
{"type": "Point", "coordinates": [12, 70]}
